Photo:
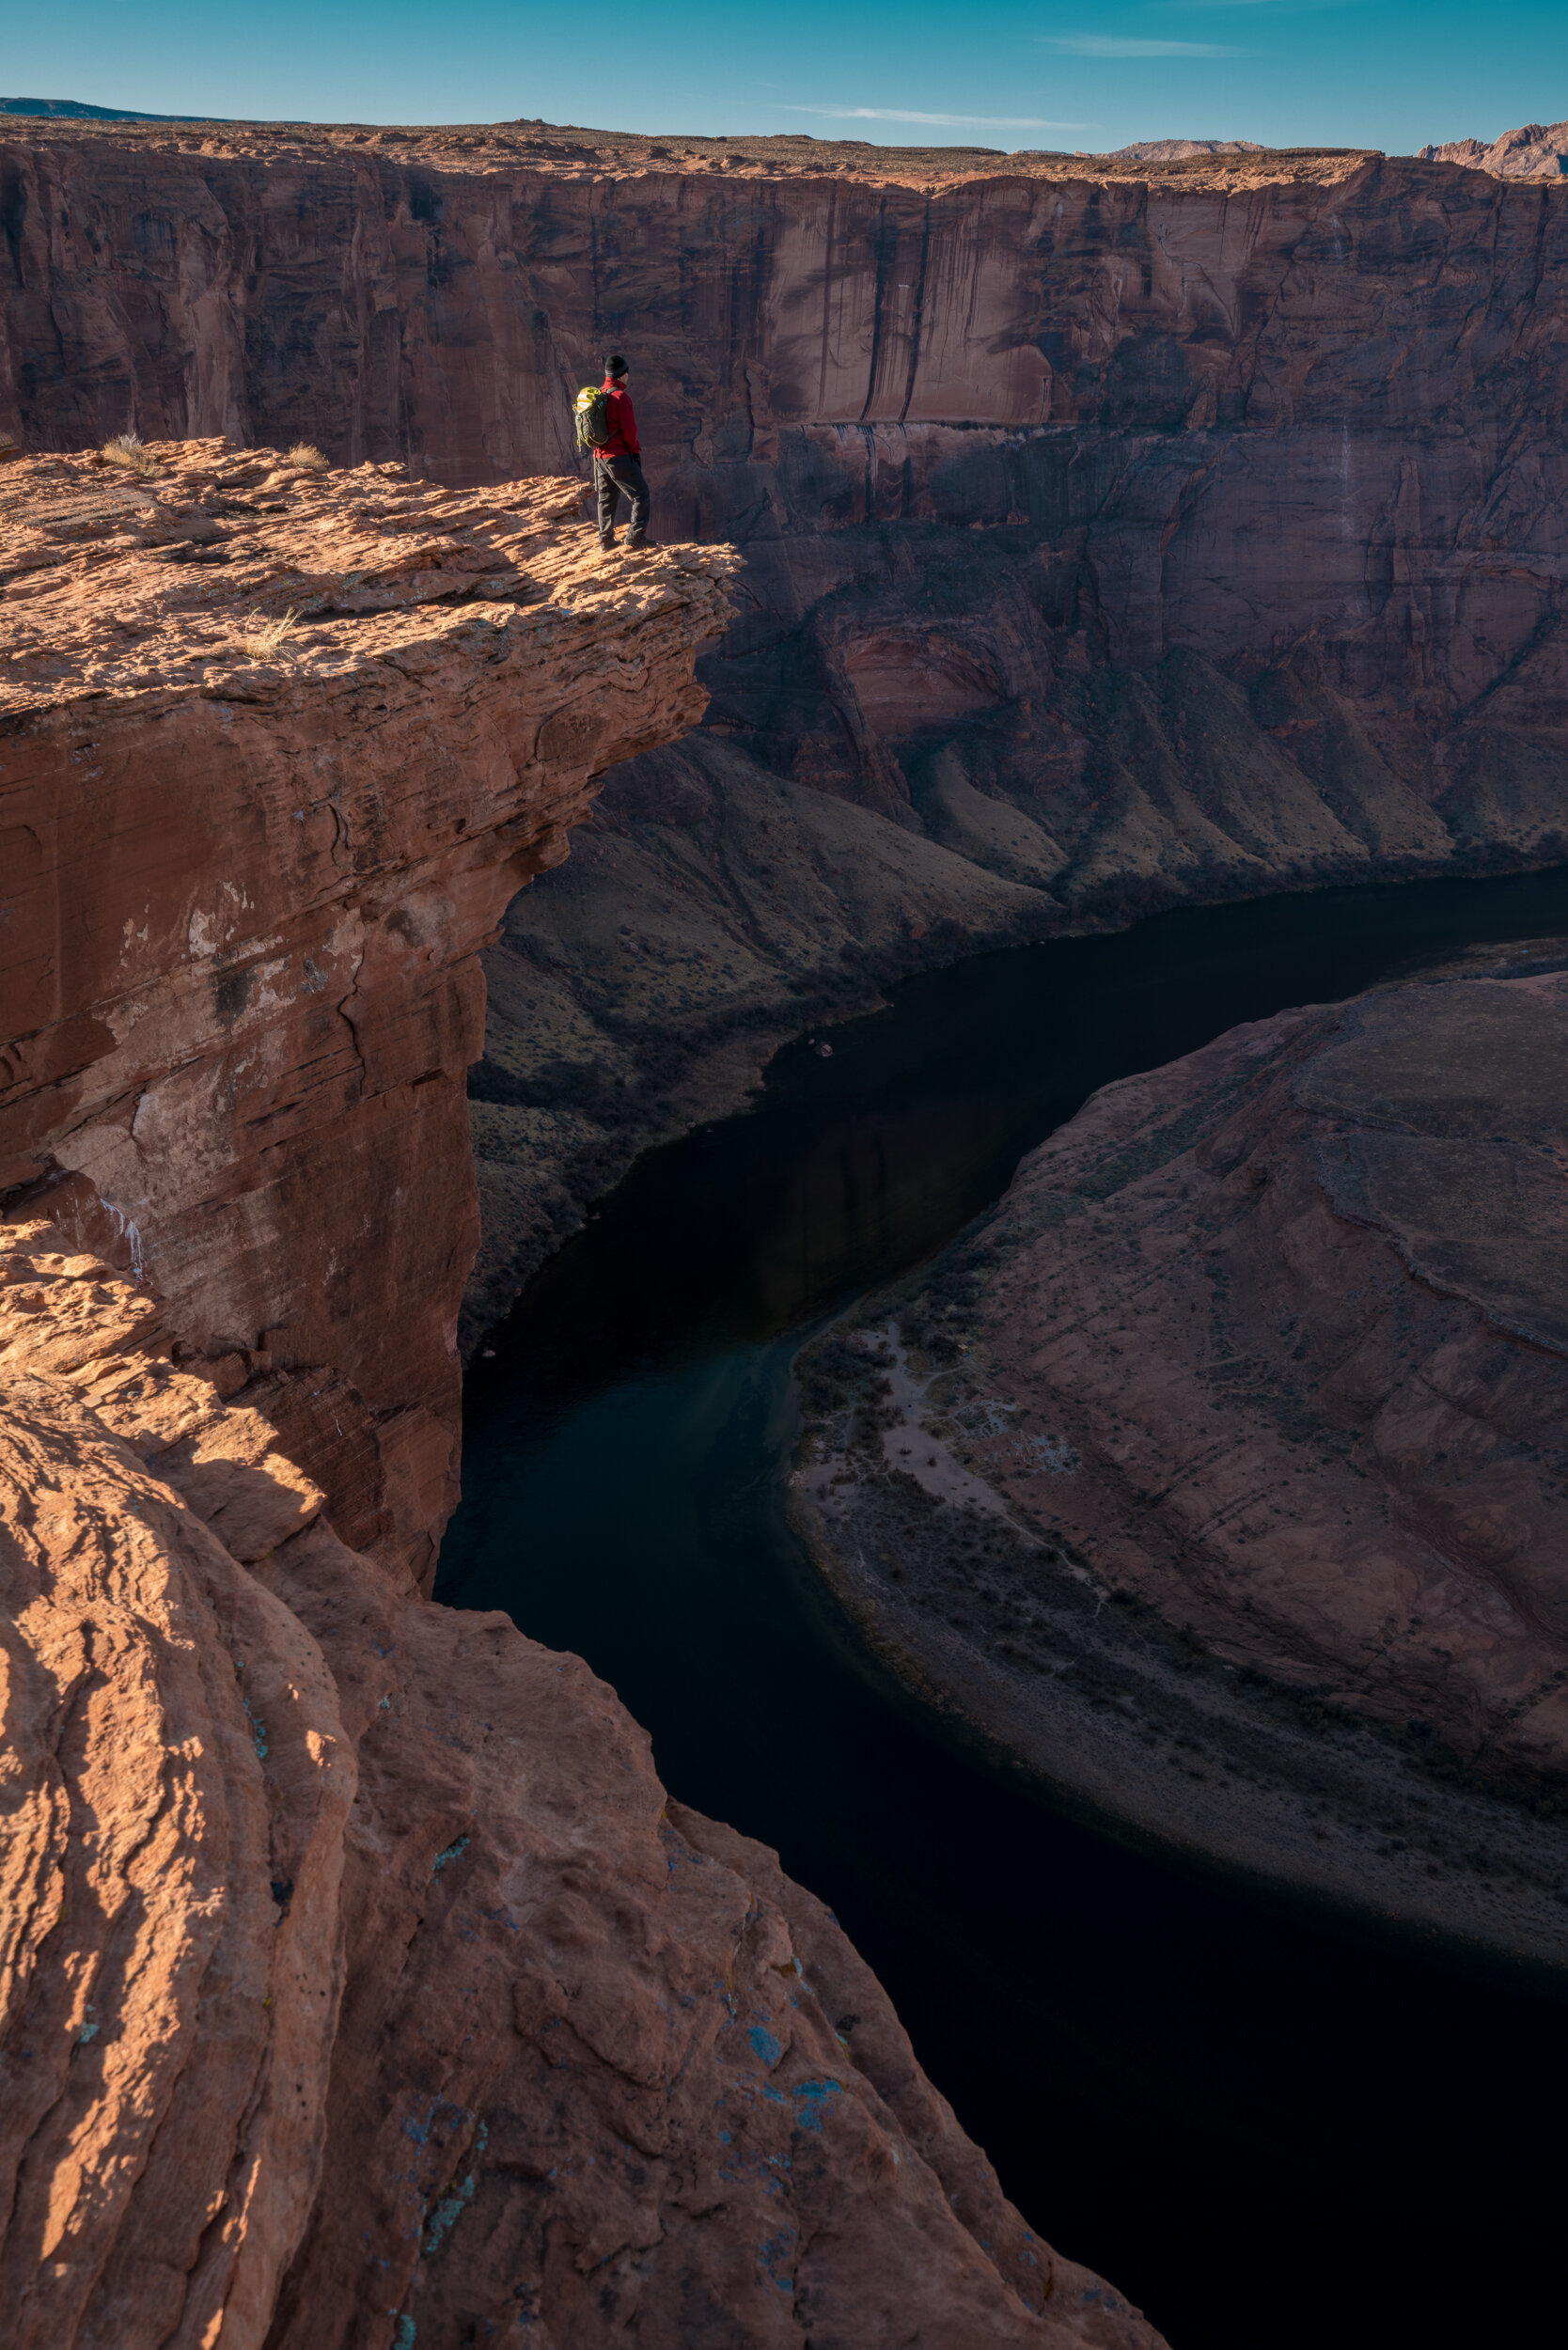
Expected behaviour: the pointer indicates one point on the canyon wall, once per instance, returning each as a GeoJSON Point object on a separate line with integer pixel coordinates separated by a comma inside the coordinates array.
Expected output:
{"type": "Point", "coordinates": [359, 1983]}
{"type": "Point", "coordinates": [1117, 531]}
{"type": "Point", "coordinates": [1269, 412]}
{"type": "Point", "coordinates": [278, 747]}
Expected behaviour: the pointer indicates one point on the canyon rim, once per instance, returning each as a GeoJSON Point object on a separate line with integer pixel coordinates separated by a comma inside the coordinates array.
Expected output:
{"type": "Point", "coordinates": [310, 1965]}
{"type": "Point", "coordinates": [1117, 533]}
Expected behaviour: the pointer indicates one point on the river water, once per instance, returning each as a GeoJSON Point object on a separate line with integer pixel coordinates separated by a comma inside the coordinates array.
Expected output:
{"type": "Point", "coordinates": [1271, 2131]}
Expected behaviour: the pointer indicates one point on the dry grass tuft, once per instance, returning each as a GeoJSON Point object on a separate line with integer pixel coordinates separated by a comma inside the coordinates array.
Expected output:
{"type": "Point", "coordinates": [265, 640]}
{"type": "Point", "coordinates": [305, 453]}
{"type": "Point", "coordinates": [129, 450]}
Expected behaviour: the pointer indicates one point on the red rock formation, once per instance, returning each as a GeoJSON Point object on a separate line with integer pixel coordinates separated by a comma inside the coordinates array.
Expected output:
{"type": "Point", "coordinates": [1221, 407]}
{"type": "Point", "coordinates": [250, 860]}
{"type": "Point", "coordinates": [1136, 531]}
{"type": "Point", "coordinates": [1244, 1422]}
{"type": "Point", "coordinates": [357, 1984]}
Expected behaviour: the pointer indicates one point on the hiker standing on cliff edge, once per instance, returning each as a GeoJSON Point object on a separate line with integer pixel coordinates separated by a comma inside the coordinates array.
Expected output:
{"type": "Point", "coordinates": [618, 461]}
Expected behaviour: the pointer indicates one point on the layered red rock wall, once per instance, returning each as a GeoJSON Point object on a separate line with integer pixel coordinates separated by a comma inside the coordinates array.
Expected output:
{"type": "Point", "coordinates": [1238, 414]}
{"type": "Point", "coordinates": [249, 861]}
{"type": "Point", "coordinates": [1206, 513]}
{"type": "Point", "coordinates": [358, 1987]}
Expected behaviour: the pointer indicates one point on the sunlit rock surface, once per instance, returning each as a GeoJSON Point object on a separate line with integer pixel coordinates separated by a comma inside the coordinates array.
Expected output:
{"type": "Point", "coordinates": [1534, 152]}
{"type": "Point", "coordinates": [1123, 530]}
{"type": "Point", "coordinates": [277, 744]}
{"type": "Point", "coordinates": [357, 1983]}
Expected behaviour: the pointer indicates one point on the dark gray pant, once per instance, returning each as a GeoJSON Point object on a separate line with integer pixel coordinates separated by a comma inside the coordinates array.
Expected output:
{"type": "Point", "coordinates": [611, 476]}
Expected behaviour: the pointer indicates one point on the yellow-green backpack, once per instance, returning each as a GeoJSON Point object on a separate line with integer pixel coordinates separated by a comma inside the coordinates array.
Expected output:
{"type": "Point", "coordinates": [591, 419]}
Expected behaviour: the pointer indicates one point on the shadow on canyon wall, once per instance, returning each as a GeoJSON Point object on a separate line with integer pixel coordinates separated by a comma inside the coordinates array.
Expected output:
{"type": "Point", "coordinates": [1117, 536]}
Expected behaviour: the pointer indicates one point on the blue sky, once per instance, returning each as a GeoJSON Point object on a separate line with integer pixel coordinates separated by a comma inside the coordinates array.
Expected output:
{"type": "Point", "coordinates": [1390, 74]}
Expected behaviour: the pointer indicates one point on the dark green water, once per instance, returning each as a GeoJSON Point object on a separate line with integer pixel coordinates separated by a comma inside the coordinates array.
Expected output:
{"type": "Point", "coordinates": [1274, 2135]}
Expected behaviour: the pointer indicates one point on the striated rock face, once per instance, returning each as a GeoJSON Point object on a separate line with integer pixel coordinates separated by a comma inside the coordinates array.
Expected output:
{"type": "Point", "coordinates": [277, 746]}
{"type": "Point", "coordinates": [1221, 1474]}
{"type": "Point", "coordinates": [357, 1984]}
{"type": "Point", "coordinates": [1132, 529]}
{"type": "Point", "coordinates": [1291, 418]}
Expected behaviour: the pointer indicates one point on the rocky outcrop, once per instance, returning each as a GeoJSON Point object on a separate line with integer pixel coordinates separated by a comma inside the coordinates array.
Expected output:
{"type": "Point", "coordinates": [1219, 1473]}
{"type": "Point", "coordinates": [358, 1985]}
{"type": "Point", "coordinates": [1537, 151]}
{"type": "Point", "coordinates": [1133, 529]}
{"type": "Point", "coordinates": [279, 744]}
{"type": "Point", "coordinates": [1182, 150]}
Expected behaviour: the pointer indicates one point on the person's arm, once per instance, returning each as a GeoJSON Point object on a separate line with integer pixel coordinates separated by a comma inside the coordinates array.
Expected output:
{"type": "Point", "coordinates": [628, 424]}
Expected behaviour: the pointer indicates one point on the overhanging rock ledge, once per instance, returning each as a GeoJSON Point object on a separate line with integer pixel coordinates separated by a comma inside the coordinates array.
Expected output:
{"type": "Point", "coordinates": [277, 744]}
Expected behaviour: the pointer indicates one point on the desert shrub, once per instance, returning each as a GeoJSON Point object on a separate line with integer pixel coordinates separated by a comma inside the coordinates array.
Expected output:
{"type": "Point", "coordinates": [305, 453]}
{"type": "Point", "coordinates": [128, 449]}
{"type": "Point", "coordinates": [264, 639]}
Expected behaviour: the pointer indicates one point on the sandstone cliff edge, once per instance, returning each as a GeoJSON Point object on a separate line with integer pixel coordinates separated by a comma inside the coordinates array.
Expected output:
{"type": "Point", "coordinates": [358, 1985]}
{"type": "Point", "coordinates": [279, 745]}
{"type": "Point", "coordinates": [1121, 531]}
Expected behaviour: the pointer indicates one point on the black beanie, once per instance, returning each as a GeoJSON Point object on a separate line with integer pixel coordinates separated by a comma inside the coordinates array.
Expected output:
{"type": "Point", "coordinates": [615, 364]}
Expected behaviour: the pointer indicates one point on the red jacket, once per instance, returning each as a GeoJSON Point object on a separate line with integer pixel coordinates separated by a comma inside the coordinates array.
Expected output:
{"type": "Point", "coordinates": [624, 441]}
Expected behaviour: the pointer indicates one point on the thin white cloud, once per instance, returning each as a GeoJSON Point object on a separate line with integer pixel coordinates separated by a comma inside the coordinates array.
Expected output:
{"type": "Point", "coordinates": [950, 122]}
{"type": "Point", "coordinates": [1113, 45]}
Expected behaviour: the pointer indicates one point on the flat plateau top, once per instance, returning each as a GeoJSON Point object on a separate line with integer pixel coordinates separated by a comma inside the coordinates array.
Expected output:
{"type": "Point", "coordinates": [563, 152]}
{"type": "Point", "coordinates": [203, 569]}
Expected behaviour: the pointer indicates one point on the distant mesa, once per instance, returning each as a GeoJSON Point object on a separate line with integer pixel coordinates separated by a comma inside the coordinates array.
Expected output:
{"type": "Point", "coordinates": [78, 110]}
{"type": "Point", "coordinates": [1173, 151]}
{"type": "Point", "coordinates": [1535, 151]}
{"type": "Point", "coordinates": [1182, 150]}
